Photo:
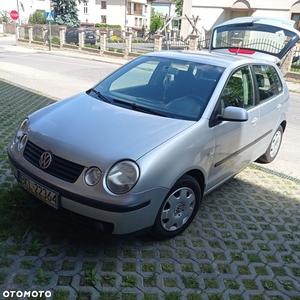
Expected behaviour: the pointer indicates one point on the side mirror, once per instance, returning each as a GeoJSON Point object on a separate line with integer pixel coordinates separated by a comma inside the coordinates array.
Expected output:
{"type": "Point", "coordinates": [233, 114]}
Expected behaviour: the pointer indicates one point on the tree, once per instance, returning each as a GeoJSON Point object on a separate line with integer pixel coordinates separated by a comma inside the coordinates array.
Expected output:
{"type": "Point", "coordinates": [38, 17]}
{"type": "Point", "coordinates": [178, 7]}
{"type": "Point", "coordinates": [66, 12]}
{"type": "Point", "coordinates": [156, 21]}
{"type": "Point", "coordinates": [4, 16]}
{"type": "Point", "coordinates": [178, 10]}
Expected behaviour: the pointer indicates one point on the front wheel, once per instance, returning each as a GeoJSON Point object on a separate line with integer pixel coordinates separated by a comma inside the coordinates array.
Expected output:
{"type": "Point", "coordinates": [178, 209]}
{"type": "Point", "coordinates": [273, 148]}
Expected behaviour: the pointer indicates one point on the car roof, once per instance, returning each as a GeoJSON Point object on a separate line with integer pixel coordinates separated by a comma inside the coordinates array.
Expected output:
{"type": "Point", "coordinates": [211, 58]}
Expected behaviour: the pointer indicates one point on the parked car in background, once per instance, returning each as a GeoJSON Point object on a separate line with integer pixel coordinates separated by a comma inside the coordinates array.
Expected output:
{"type": "Point", "coordinates": [89, 36]}
{"type": "Point", "coordinates": [138, 151]}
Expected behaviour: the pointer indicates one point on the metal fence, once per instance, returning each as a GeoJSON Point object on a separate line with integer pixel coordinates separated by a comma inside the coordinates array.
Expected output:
{"type": "Point", "coordinates": [296, 59]}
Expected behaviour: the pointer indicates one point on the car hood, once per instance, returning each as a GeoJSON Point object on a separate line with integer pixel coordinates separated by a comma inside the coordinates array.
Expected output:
{"type": "Point", "coordinates": [91, 132]}
{"type": "Point", "coordinates": [259, 37]}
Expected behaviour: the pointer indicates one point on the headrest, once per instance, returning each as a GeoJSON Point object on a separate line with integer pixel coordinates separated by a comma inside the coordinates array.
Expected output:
{"type": "Point", "coordinates": [260, 80]}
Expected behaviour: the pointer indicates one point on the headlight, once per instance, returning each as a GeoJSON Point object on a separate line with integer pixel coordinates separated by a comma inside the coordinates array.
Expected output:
{"type": "Point", "coordinates": [122, 177]}
{"type": "Point", "coordinates": [22, 142]}
{"type": "Point", "coordinates": [92, 176]}
{"type": "Point", "coordinates": [21, 130]}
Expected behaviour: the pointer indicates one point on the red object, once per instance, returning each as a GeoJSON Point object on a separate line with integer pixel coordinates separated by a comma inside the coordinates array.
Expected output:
{"type": "Point", "coordinates": [14, 15]}
{"type": "Point", "coordinates": [241, 51]}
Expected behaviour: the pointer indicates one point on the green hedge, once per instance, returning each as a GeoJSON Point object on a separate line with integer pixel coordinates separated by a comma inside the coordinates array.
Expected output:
{"type": "Point", "coordinates": [107, 25]}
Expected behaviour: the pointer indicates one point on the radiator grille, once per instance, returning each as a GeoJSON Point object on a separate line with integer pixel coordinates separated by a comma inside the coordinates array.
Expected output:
{"type": "Point", "coordinates": [59, 167]}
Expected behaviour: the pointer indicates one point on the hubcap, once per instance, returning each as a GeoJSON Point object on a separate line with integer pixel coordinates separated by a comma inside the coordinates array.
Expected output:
{"type": "Point", "coordinates": [178, 209]}
{"type": "Point", "coordinates": [275, 144]}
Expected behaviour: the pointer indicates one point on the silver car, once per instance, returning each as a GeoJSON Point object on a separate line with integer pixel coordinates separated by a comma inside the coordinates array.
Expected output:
{"type": "Point", "coordinates": [138, 151]}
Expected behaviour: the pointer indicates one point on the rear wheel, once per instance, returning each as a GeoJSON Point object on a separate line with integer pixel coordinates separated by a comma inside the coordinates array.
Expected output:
{"type": "Point", "coordinates": [273, 148]}
{"type": "Point", "coordinates": [178, 209]}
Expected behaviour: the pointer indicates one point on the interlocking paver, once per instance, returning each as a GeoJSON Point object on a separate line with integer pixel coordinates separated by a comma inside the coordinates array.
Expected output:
{"type": "Point", "coordinates": [243, 244]}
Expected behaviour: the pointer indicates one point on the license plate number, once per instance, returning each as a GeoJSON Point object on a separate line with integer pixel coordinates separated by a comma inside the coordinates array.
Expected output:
{"type": "Point", "coordinates": [38, 190]}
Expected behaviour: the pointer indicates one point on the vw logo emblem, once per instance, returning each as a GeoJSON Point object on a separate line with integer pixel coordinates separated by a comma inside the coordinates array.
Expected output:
{"type": "Point", "coordinates": [45, 160]}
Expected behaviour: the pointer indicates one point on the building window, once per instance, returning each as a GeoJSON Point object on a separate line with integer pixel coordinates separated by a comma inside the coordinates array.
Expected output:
{"type": "Point", "coordinates": [146, 8]}
{"type": "Point", "coordinates": [103, 4]}
{"type": "Point", "coordinates": [85, 8]}
{"type": "Point", "coordinates": [103, 19]}
{"type": "Point", "coordinates": [135, 21]}
{"type": "Point", "coordinates": [134, 6]}
{"type": "Point", "coordinates": [140, 22]}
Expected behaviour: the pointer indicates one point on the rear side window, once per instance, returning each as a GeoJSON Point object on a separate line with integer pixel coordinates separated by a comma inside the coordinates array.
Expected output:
{"type": "Point", "coordinates": [268, 81]}
{"type": "Point", "coordinates": [72, 32]}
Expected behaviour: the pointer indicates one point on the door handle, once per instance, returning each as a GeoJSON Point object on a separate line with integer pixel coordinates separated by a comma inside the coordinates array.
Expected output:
{"type": "Point", "coordinates": [254, 121]}
{"type": "Point", "coordinates": [279, 106]}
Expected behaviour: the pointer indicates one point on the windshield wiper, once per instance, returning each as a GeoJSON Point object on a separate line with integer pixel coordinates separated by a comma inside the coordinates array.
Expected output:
{"type": "Point", "coordinates": [137, 107]}
{"type": "Point", "coordinates": [98, 94]}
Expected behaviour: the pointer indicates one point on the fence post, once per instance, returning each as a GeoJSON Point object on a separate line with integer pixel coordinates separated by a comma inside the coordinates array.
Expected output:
{"type": "Point", "coordinates": [30, 33]}
{"type": "Point", "coordinates": [18, 28]}
{"type": "Point", "coordinates": [45, 35]}
{"type": "Point", "coordinates": [80, 38]}
{"type": "Point", "coordinates": [287, 62]}
{"type": "Point", "coordinates": [157, 42]}
{"type": "Point", "coordinates": [102, 43]}
{"type": "Point", "coordinates": [21, 32]}
{"type": "Point", "coordinates": [193, 42]}
{"type": "Point", "coordinates": [62, 36]}
{"type": "Point", "coordinates": [128, 43]}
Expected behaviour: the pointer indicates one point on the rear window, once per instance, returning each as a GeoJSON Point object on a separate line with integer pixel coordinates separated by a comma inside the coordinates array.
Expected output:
{"type": "Point", "coordinates": [89, 32]}
{"type": "Point", "coordinates": [264, 38]}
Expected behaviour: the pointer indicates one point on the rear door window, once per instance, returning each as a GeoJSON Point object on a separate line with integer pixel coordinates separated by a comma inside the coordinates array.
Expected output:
{"type": "Point", "coordinates": [268, 81]}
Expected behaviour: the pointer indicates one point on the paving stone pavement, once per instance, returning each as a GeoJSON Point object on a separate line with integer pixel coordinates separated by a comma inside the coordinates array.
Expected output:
{"type": "Point", "coordinates": [243, 244]}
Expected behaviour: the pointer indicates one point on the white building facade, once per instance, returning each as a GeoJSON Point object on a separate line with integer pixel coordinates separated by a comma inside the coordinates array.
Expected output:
{"type": "Point", "coordinates": [128, 14]}
{"type": "Point", "coordinates": [213, 12]}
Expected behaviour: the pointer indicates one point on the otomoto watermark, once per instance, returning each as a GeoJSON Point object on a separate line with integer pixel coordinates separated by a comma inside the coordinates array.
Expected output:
{"type": "Point", "coordinates": [33, 294]}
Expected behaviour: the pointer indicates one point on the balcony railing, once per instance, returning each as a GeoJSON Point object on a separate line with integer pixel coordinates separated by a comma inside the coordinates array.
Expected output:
{"type": "Point", "coordinates": [138, 12]}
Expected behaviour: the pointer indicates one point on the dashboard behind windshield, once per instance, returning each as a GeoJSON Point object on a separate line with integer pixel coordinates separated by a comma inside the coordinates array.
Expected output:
{"type": "Point", "coordinates": [175, 88]}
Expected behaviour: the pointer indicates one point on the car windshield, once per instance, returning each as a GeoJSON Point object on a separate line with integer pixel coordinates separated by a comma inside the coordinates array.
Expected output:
{"type": "Point", "coordinates": [260, 37]}
{"type": "Point", "coordinates": [163, 86]}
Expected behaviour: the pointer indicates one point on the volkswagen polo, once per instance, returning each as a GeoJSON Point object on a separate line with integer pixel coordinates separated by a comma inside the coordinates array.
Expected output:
{"type": "Point", "coordinates": [138, 151]}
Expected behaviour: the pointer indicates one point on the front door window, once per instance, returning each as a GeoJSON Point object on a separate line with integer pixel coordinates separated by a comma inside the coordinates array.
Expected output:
{"type": "Point", "coordinates": [238, 90]}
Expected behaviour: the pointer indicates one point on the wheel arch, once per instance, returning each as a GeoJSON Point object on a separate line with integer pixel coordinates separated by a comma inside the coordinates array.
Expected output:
{"type": "Point", "coordinates": [199, 177]}
{"type": "Point", "coordinates": [283, 125]}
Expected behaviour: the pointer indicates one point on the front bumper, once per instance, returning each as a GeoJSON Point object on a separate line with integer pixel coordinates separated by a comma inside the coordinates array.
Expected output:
{"type": "Point", "coordinates": [139, 216]}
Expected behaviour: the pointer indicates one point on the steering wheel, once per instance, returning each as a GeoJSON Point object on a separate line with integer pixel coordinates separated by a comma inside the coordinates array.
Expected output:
{"type": "Point", "coordinates": [188, 105]}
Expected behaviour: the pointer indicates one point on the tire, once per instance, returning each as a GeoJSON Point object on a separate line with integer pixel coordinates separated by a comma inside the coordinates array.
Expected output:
{"type": "Point", "coordinates": [178, 209]}
{"type": "Point", "coordinates": [273, 148]}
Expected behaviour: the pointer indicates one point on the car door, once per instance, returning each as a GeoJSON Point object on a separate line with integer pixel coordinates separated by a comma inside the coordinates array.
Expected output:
{"type": "Point", "coordinates": [72, 36]}
{"type": "Point", "coordinates": [234, 141]}
{"type": "Point", "coordinates": [272, 104]}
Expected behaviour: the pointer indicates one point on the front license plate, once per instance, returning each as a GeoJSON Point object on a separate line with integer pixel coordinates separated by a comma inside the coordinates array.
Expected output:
{"type": "Point", "coordinates": [38, 190]}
